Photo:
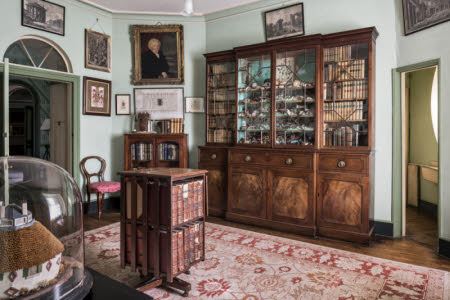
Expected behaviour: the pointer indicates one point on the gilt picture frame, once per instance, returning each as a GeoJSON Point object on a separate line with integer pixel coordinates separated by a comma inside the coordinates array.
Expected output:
{"type": "Point", "coordinates": [158, 54]}
{"type": "Point", "coordinates": [97, 51]}
{"type": "Point", "coordinates": [96, 96]}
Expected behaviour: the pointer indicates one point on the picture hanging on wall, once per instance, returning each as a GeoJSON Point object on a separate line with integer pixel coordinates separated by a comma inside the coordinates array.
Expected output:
{"type": "Point", "coordinates": [96, 96]}
{"type": "Point", "coordinates": [418, 15]}
{"type": "Point", "coordinates": [285, 22]}
{"type": "Point", "coordinates": [97, 51]}
{"type": "Point", "coordinates": [160, 103]}
{"type": "Point", "coordinates": [158, 54]}
{"type": "Point", "coordinates": [195, 105]}
{"type": "Point", "coordinates": [123, 104]}
{"type": "Point", "coordinates": [43, 15]}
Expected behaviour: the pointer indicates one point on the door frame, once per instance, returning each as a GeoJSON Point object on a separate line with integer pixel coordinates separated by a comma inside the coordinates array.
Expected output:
{"type": "Point", "coordinates": [397, 146]}
{"type": "Point", "coordinates": [74, 82]}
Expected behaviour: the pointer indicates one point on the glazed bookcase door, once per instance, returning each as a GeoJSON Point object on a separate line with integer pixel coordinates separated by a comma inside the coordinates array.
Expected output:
{"type": "Point", "coordinates": [254, 100]}
{"type": "Point", "coordinates": [221, 102]}
{"type": "Point", "coordinates": [346, 96]}
{"type": "Point", "coordinates": [142, 154]}
{"type": "Point", "coordinates": [168, 155]}
{"type": "Point", "coordinates": [295, 97]}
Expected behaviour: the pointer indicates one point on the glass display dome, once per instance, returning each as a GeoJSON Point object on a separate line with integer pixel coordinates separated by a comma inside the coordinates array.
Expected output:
{"type": "Point", "coordinates": [41, 232]}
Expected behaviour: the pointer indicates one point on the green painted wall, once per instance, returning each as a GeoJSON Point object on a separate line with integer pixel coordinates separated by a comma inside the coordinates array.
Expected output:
{"type": "Point", "coordinates": [423, 147]}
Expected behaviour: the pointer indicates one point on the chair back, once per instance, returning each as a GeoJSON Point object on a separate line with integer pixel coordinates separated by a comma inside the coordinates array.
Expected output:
{"type": "Point", "coordinates": [99, 174]}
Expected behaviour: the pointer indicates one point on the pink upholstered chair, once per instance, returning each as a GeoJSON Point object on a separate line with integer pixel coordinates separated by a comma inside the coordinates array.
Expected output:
{"type": "Point", "coordinates": [101, 187]}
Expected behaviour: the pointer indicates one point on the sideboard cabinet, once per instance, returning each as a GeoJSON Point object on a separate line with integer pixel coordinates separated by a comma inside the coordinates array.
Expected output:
{"type": "Point", "coordinates": [290, 145]}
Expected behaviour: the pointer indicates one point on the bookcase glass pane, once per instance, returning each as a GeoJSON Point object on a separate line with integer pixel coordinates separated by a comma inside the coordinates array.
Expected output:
{"type": "Point", "coordinates": [346, 96]}
{"type": "Point", "coordinates": [295, 97]}
{"type": "Point", "coordinates": [254, 100]}
{"type": "Point", "coordinates": [221, 102]}
{"type": "Point", "coordinates": [141, 154]}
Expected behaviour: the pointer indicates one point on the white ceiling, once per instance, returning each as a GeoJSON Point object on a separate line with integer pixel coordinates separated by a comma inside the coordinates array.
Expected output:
{"type": "Point", "coordinates": [165, 7]}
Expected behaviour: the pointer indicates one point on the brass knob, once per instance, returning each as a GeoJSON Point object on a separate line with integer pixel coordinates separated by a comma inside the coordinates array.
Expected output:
{"type": "Point", "coordinates": [289, 161]}
{"type": "Point", "coordinates": [341, 164]}
{"type": "Point", "coordinates": [248, 158]}
{"type": "Point", "coordinates": [213, 156]}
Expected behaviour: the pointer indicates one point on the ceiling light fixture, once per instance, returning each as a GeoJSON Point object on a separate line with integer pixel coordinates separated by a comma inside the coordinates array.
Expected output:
{"type": "Point", "coordinates": [188, 8]}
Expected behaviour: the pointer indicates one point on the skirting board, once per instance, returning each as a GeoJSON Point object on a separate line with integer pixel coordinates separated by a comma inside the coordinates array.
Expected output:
{"type": "Point", "coordinates": [384, 228]}
{"type": "Point", "coordinates": [109, 203]}
{"type": "Point", "coordinates": [444, 248]}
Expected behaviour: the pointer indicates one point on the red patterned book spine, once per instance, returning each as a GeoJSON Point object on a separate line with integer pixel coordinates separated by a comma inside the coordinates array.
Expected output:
{"type": "Point", "coordinates": [185, 202]}
{"type": "Point", "coordinates": [200, 238]}
{"type": "Point", "coordinates": [197, 241]}
{"type": "Point", "coordinates": [191, 200]}
{"type": "Point", "coordinates": [200, 199]}
{"type": "Point", "coordinates": [174, 252]}
{"type": "Point", "coordinates": [174, 205]}
{"type": "Point", "coordinates": [196, 188]}
{"type": "Point", "coordinates": [180, 250]}
{"type": "Point", "coordinates": [180, 204]}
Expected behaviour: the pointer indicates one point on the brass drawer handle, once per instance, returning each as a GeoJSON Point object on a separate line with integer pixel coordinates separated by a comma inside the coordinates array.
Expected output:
{"type": "Point", "coordinates": [248, 158]}
{"type": "Point", "coordinates": [341, 164]}
{"type": "Point", "coordinates": [289, 161]}
{"type": "Point", "coordinates": [213, 156]}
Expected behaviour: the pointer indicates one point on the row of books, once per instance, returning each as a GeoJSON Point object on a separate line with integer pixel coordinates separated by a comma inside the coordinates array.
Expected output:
{"type": "Point", "coordinates": [340, 53]}
{"type": "Point", "coordinates": [355, 89]}
{"type": "Point", "coordinates": [187, 201]}
{"type": "Point", "coordinates": [187, 246]}
{"type": "Point", "coordinates": [224, 136]}
{"type": "Point", "coordinates": [141, 151]}
{"type": "Point", "coordinates": [226, 121]}
{"type": "Point", "coordinates": [345, 70]}
{"type": "Point", "coordinates": [342, 136]}
{"type": "Point", "coordinates": [221, 108]}
{"type": "Point", "coordinates": [174, 125]}
{"type": "Point", "coordinates": [347, 110]}
{"type": "Point", "coordinates": [222, 80]}
{"type": "Point", "coordinates": [168, 151]}
{"type": "Point", "coordinates": [221, 68]}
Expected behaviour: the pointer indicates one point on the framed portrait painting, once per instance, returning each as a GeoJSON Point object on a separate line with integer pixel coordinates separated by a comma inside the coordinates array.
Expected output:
{"type": "Point", "coordinates": [123, 104]}
{"type": "Point", "coordinates": [96, 96]}
{"type": "Point", "coordinates": [158, 54]}
{"type": "Point", "coordinates": [97, 51]}
{"type": "Point", "coordinates": [285, 22]}
{"type": "Point", "coordinates": [418, 15]}
{"type": "Point", "coordinates": [43, 15]}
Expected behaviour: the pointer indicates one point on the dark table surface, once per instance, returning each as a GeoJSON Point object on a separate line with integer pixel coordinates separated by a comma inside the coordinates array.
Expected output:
{"type": "Point", "coordinates": [107, 288]}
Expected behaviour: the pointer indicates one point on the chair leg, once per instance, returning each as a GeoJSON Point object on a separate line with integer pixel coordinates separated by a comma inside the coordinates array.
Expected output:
{"type": "Point", "coordinates": [99, 204]}
{"type": "Point", "coordinates": [89, 202]}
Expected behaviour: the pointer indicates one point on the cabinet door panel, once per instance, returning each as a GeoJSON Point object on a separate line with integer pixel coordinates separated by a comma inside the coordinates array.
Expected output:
{"type": "Point", "coordinates": [217, 191]}
{"type": "Point", "coordinates": [247, 192]}
{"type": "Point", "coordinates": [343, 201]}
{"type": "Point", "coordinates": [291, 196]}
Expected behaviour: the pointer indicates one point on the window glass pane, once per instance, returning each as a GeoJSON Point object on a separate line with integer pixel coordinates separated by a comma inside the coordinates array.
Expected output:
{"type": "Point", "coordinates": [54, 62]}
{"type": "Point", "coordinates": [37, 49]}
{"type": "Point", "coordinates": [17, 55]}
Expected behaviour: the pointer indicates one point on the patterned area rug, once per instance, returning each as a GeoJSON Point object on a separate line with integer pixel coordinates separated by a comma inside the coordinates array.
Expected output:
{"type": "Point", "coordinates": [242, 264]}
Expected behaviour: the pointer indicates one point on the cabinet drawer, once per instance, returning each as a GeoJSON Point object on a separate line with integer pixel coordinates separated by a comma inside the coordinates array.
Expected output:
{"type": "Point", "coordinates": [267, 158]}
{"type": "Point", "coordinates": [344, 163]}
{"type": "Point", "coordinates": [214, 155]}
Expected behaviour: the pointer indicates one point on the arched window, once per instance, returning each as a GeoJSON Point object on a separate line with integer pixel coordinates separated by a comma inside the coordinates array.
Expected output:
{"type": "Point", "coordinates": [38, 52]}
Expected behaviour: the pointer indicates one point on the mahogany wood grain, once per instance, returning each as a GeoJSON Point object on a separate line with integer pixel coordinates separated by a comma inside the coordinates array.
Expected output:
{"type": "Point", "coordinates": [352, 163]}
{"type": "Point", "coordinates": [217, 191]}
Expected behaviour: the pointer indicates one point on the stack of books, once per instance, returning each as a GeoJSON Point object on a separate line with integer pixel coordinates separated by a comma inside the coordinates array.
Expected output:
{"type": "Point", "coordinates": [168, 151]}
{"type": "Point", "coordinates": [141, 151]}
{"type": "Point", "coordinates": [174, 125]}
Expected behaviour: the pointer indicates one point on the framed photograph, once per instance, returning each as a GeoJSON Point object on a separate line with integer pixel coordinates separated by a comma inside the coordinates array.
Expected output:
{"type": "Point", "coordinates": [160, 103]}
{"type": "Point", "coordinates": [97, 51]}
{"type": "Point", "coordinates": [195, 105]}
{"type": "Point", "coordinates": [418, 15]}
{"type": "Point", "coordinates": [123, 104]}
{"type": "Point", "coordinates": [158, 54]}
{"type": "Point", "coordinates": [96, 96]}
{"type": "Point", "coordinates": [285, 22]}
{"type": "Point", "coordinates": [43, 15]}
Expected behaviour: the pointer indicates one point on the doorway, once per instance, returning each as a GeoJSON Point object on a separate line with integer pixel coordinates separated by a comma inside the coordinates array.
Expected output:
{"type": "Point", "coordinates": [40, 120]}
{"type": "Point", "coordinates": [420, 156]}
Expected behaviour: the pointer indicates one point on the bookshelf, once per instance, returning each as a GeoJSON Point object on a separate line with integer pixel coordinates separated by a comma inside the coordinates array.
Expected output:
{"type": "Point", "coordinates": [162, 231]}
{"type": "Point", "coordinates": [151, 150]}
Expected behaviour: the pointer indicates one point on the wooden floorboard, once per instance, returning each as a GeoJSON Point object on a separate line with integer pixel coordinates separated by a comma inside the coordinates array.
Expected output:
{"type": "Point", "coordinates": [419, 247]}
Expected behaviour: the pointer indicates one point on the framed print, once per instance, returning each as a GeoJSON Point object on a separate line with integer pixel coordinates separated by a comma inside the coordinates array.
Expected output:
{"type": "Point", "coordinates": [123, 104]}
{"type": "Point", "coordinates": [158, 54]}
{"type": "Point", "coordinates": [97, 51]}
{"type": "Point", "coordinates": [195, 105]}
{"type": "Point", "coordinates": [285, 22]}
{"type": "Point", "coordinates": [418, 15]}
{"type": "Point", "coordinates": [43, 15]}
{"type": "Point", "coordinates": [96, 96]}
{"type": "Point", "coordinates": [161, 104]}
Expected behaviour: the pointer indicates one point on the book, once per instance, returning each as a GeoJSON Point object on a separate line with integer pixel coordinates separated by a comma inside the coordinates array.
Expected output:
{"type": "Point", "coordinates": [180, 249]}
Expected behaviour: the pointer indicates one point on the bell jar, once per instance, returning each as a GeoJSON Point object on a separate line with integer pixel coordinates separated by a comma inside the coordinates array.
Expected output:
{"type": "Point", "coordinates": [41, 232]}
